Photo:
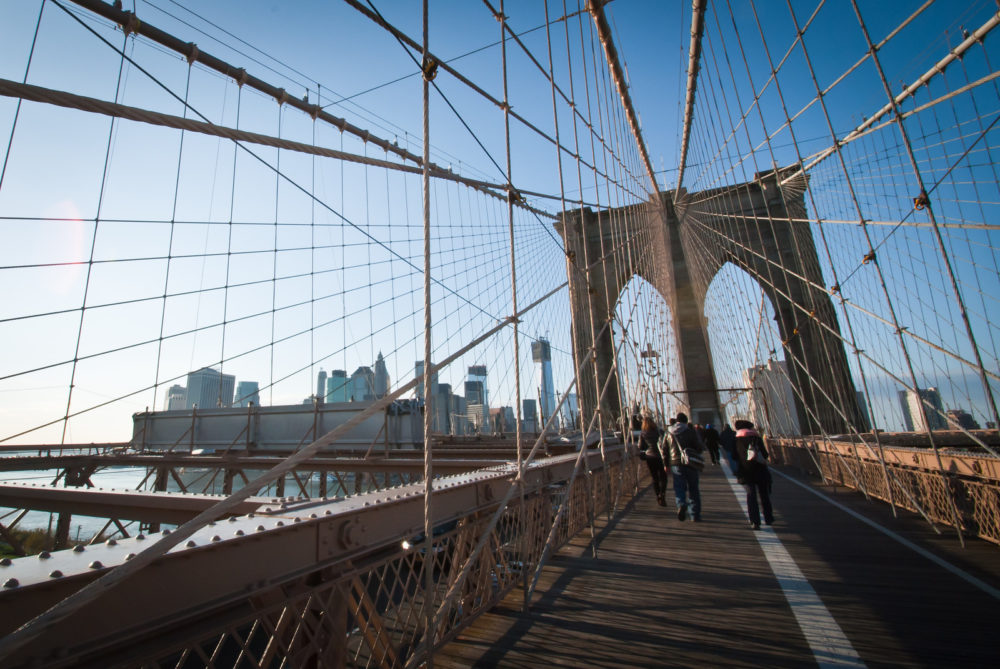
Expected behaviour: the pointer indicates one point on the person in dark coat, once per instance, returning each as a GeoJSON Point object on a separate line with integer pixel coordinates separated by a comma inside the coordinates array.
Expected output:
{"type": "Point", "coordinates": [649, 445]}
{"type": "Point", "coordinates": [636, 420]}
{"type": "Point", "coordinates": [683, 439]}
{"type": "Point", "coordinates": [727, 439]}
{"type": "Point", "coordinates": [751, 456]}
{"type": "Point", "coordinates": [711, 439]}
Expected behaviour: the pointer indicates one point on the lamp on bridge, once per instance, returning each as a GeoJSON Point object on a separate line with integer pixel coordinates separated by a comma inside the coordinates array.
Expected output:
{"type": "Point", "coordinates": [650, 356]}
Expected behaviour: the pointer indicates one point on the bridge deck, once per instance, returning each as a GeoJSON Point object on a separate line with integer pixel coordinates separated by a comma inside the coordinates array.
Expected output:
{"type": "Point", "coordinates": [666, 593]}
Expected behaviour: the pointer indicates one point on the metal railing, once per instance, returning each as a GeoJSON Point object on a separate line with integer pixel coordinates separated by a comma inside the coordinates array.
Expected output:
{"type": "Point", "coordinates": [332, 582]}
{"type": "Point", "coordinates": [962, 491]}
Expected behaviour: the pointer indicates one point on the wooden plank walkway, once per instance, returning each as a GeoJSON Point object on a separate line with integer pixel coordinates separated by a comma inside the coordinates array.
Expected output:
{"type": "Point", "coordinates": [667, 593]}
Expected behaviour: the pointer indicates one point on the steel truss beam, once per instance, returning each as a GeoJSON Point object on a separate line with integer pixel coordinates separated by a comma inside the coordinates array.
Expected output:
{"type": "Point", "coordinates": [227, 566]}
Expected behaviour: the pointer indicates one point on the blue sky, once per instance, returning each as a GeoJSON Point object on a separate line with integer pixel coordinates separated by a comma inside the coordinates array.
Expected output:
{"type": "Point", "coordinates": [338, 280]}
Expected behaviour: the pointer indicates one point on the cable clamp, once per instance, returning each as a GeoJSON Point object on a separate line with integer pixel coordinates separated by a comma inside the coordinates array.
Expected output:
{"type": "Point", "coordinates": [131, 24]}
{"type": "Point", "coordinates": [192, 53]}
{"type": "Point", "coordinates": [835, 288]}
{"type": "Point", "coordinates": [513, 194]}
{"type": "Point", "coordinates": [282, 96]}
{"type": "Point", "coordinates": [869, 257]}
{"type": "Point", "coordinates": [921, 201]}
{"type": "Point", "coordinates": [429, 68]}
{"type": "Point", "coordinates": [241, 77]}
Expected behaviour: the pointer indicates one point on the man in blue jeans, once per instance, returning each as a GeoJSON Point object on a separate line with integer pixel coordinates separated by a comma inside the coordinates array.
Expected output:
{"type": "Point", "coordinates": [686, 460]}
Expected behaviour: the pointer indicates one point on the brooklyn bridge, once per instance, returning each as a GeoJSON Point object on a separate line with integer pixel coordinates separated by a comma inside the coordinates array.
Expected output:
{"type": "Point", "coordinates": [328, 327]}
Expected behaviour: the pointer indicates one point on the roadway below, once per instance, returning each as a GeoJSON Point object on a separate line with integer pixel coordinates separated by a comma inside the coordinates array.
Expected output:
{"type": "Point", "coordinates": [837, 581]}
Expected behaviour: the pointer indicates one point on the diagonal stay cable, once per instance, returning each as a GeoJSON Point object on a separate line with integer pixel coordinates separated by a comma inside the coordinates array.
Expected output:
{"type": "Point", "coordinates": [513, 191]}
{"type": "Point", "coordinates": [93, 590]}
{"type": "Point", "coordinates": [288, 179]}
{"type": "Point", "coordinates": [933, 187]}
{"type": "Point", "coordinates": [449, 61]}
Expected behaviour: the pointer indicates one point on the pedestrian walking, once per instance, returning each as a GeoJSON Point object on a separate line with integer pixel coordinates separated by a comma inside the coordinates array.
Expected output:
{"type": "Point", "coordinates": [649, 443]}
{"type": "Point", "coordinates": [711, 439]}
{"type": "Point", "coordinates": [727, 440]}
{"type": "Point", "coordinates": [752, 456]}
{"type": "Point", "coordinates": [686, 461]}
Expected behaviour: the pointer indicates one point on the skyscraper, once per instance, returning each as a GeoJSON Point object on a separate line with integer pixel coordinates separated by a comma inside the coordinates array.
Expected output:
{"type": "Point", "coordinates": [381, 377]}
{"type": "Point", "coordinates": [541, 353]}
{"type": "Point", "coordinates": [912, 415]}
{"type": "Point", "coordinates": [459, 416]}
{"type": "Point", "coordinates": [418, 371]}
{"type": "Point", "coordinates": [901, 395]}
{"type": "Point", "coordinates": [362, 384]}
{"type": "Point", "coordinates": [176, 398]}
{"type": "Point", "coordinates": [441, 406]}
{"type": "Point", "coordinates": [570, 413]}
{"type": "Point", "coordinates": [477, 403]}
{"type": "Point", "coordinates": [529, 417]}
{"type": "Point", "coordinates": [772, 401]}
{"type": "Point", "coordinates": [321, 386]}
{"type": "Point", "coordinates": [209, 388]}
{"type": "Point", "coordinates": [338, 387]}
{"type": "Point", "coordinates": [963, 418]}
{"type": "Point", "coordinates": [247, 392]}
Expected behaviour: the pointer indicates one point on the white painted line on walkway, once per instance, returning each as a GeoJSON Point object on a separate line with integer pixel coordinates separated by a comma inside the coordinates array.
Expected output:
{"type": "Point", "coordinates": [828, 643]}
{"type": "Point", "coordinates": [985, 587]}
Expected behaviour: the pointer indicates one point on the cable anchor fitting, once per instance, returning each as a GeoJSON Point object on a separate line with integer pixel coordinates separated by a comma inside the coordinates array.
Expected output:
{"type": "Point", "coordinates": [192, 53]}
{"type": "Point", "coordinates": [131, 24]}
{"type": "Point", "coordinates": [869, 257]}
{"type": "Point", "coordinates": [921, 201]}
{"type": "Point", "coordinates": [430, 68]}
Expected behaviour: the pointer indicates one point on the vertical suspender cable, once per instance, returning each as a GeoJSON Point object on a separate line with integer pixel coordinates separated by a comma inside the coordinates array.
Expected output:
{"type": "Point", "coordinates": [589, 269]}
{"type": "Point", "coordinates": [170, 247]}
{"type": "Point", "coordinates": [934, 224]}
{"type": "Point", "coordinates": [513, 298]}
{"type": "Point", "coordinates": [93, 247]}
{"type": "Point", "coordinates": [833, 269]}
{"type": "Point", "coordinates": [428, 563]}
{"type": "Point", "coordinates": [274, 263]}
{"type": "Point", "coordinates": [956, 516]}
{"type": "Point", "coordinates": [17, 108]}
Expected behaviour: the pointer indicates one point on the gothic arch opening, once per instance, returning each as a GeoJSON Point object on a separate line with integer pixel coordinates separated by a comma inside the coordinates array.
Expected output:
{"type": "Point", "coordinates": [751, 372]}
{"type": "Point", "coordinates": [648, 362]}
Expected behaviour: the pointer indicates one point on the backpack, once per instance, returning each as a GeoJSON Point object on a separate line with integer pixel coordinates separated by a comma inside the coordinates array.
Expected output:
{"type": "Point", "coordinates": [690, 449]}
{"type": "Point", "coordinates": [756, 452]}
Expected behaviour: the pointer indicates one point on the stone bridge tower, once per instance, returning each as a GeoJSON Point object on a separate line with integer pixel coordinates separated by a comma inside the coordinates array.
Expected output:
{"type": "Point", "coordinates": [654, 253]}
{"type": "Point", "coordinates": [758, 226]}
